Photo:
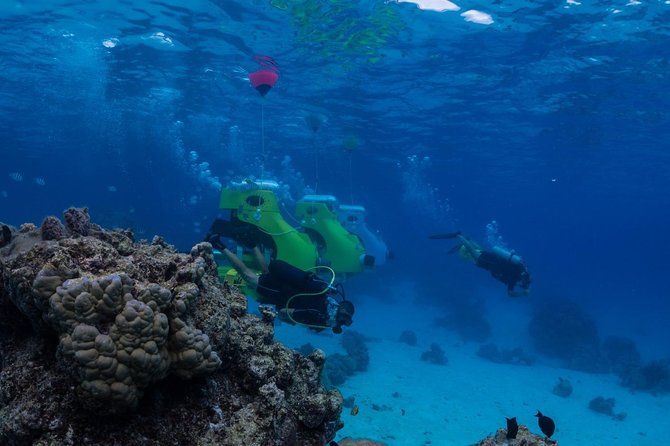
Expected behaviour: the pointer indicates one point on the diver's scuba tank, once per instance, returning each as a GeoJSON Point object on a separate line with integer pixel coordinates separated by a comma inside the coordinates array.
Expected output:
{"type": "Point", "coordinates": [507, 255]}
{"type": "Point", "coordinates": [302, 280]}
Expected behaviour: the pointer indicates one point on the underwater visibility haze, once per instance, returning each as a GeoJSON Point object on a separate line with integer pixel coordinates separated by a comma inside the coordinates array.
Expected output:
{"type": "Point", "coordinates": [540, 126]}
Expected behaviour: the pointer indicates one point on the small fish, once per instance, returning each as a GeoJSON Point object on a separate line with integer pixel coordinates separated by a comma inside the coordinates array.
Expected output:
{"type": "Point", "coordinates": [354, 410]}
{"type": "Point", "coordinates": [16, 176]}
{"type": "Point", "coordinates": [40, 181]}
{"type": "Point", "coordinates": [547, 425]}
{"type": "Point", "coordinates": [111, 188]}
{"type": "Point", "coordinates": [4, 194]}
{"type": "Point", "coordinates": [402, 411]}
{"type": "Point", "coordinates": [512, 427]}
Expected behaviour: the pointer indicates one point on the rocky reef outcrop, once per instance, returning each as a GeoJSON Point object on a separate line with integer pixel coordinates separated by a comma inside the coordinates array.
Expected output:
{"type": "Point", "coordinates": [105, 340]}
{"type": "Point", "coordinates": [524, 437]}
{"type": "Point", "coordinates": [340, 367]}
{"type": "Point", "coordinates": [564, 330]}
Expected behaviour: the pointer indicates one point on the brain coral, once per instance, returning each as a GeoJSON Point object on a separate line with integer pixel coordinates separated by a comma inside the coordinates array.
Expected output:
{"type": "Point", "coordinates": [117, 335]}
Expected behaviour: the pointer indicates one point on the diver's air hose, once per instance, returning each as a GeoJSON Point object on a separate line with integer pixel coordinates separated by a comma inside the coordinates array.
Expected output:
{"type": "Point", "coordinates": [319, 293]}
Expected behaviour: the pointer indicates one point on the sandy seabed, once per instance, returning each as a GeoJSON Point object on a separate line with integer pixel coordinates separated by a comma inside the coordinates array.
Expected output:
{"type": "Point", "coordinates": [404, 401]}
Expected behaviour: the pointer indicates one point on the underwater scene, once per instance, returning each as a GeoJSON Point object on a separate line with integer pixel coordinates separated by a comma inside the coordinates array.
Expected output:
{"type": "Point", "coordinates": [334, 222]}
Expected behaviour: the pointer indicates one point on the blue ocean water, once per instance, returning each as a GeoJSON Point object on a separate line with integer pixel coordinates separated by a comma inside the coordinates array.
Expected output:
{"type": "Point", "coordinates": [550, 118]}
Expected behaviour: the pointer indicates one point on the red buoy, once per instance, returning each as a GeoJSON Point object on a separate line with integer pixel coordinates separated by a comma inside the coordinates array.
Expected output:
{"type": "Point", "coordinates": [264, 79]}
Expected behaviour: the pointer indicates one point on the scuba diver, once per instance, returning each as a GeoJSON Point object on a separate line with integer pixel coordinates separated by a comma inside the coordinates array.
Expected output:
{"type": "Point", "coordinates": [504, 265]}
{"type": "Point", "coordinates": [301, 297]}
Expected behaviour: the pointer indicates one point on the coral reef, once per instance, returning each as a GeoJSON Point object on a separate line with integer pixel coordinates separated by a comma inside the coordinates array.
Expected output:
{"type": "Point", "coordinates": [605, 406]}
{"type": "Point", "coordinates": [435, 355]}
{"type": "Point", "coordinates": [563, 388]}
{"type": "Point", "coordinates": [52, 229]}
{"type": "Point", "coordinates": [505, 356]}
{"type": "Point", "coordinates": [339, 367]}
{"type": "Point", "coordinates": [104, 340]}
{"type": "Point", "coordinates": [408, 337]}
{"type": "Point", "coordinates": [622, 355]}
{"type": "Point", "coordinates": [563, 330]}
{"type": "Point", "coordinates": [353, 343]}
{"type": "Point", "coordinates": [524, 437]}
{"type": "Point", "coordinates": [652, 377]}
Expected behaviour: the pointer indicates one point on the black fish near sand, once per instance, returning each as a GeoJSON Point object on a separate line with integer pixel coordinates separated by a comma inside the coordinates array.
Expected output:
{"type": "Point", "coordinates": [547, 425]}
{"type": "Point", "coordinates": [512, 427]}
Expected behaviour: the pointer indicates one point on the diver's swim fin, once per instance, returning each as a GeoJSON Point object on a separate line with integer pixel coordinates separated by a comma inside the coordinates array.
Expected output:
{"type": "Point", "coordinates": [446, 236]}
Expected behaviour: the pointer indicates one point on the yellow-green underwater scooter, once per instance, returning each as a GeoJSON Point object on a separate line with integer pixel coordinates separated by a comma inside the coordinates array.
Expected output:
{"type": "Point", "coordinates": [342, 249]}
{"type": "Point", "coordinates": [254, 204]}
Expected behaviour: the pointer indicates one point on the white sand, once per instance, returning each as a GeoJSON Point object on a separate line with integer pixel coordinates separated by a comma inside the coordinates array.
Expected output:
{"type": "Point", "coordinates": [468, 399]}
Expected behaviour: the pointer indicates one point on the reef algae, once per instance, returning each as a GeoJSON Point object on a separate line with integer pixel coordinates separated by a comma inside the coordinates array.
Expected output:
{"type": "Point", "coordinates": [105, 340]}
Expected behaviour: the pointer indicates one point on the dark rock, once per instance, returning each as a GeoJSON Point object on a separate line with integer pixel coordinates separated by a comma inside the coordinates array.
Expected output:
{"type": "Point", "coordinates": [563, 388]}
{"type": "Point", "coordinates": [52, 229]}
{"type": "Point", "coordinates": [435, 355]}
{"type": "Point", "coordinates": [353, 343]}
{"type": "Point", "coordinates": [77, 221]}
{"type": "Point", "coordinates": [602, 405]}
{"type": "Point", "coordinates": [339, 367]}
{"type": "Point", "coordinates": [408, 337]}
{"type": "Point", "coordinates": [605, 406]}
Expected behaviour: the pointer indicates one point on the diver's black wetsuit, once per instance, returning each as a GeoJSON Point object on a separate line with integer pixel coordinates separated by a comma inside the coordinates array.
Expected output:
{"type": "Point", "coordinates": [283, 281]}
{"type": "Point", "coordinates": [505, 270]}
